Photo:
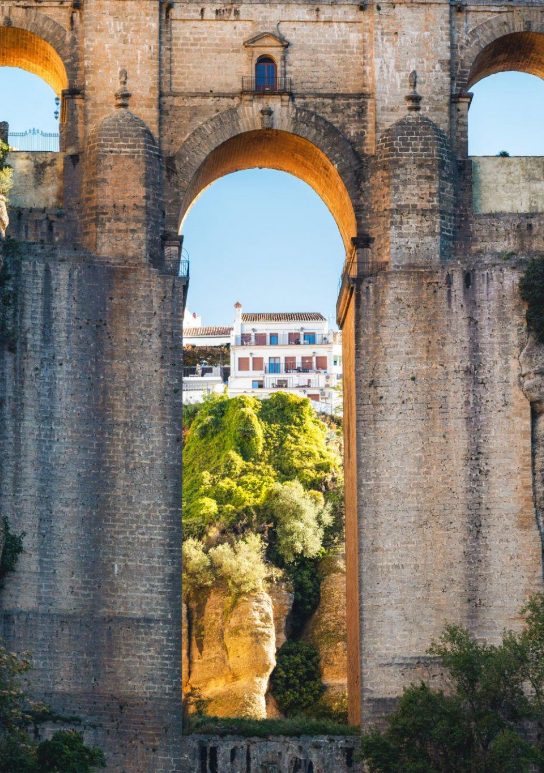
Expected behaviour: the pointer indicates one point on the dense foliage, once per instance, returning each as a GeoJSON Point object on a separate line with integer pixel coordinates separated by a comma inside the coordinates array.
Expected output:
{"type": "Point", "coordinates": [296, 681]}
{"type": "Point", "coordinates": [211, 355]}
{"type": "Point", "coordinates": [264, 728]}
{"type": "Point", "coordinates": [19, 753]}
{"type": "Point", "coordinates": [261, 483]}
{"type": "Point", "coordinates": [13, 546]}
{"type": "Point", "coordinates": [480, 725]}
{"type": "Point", "coordinates": [532, 291]}
{"type": "Point", "coordinates": [6, 172]}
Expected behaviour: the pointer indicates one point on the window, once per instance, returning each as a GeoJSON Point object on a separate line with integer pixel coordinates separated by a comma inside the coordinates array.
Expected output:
{"type": "Point", "coordinates": [309, 338]}
{"type": "Point", "coordinates": [290, 364]}
{"type": "Point", "coordinates": [294, 338]}
{"type": "Point", "coordinates": [307, 364]}
{"type": "Point", "coordinates": [257, 384]}
{"type": "Point", "coordinates": [274, 365]}
{"type": "Point", "coordinates": [273, 339]}
{"type": "Point", "coordinates": [246, 339]}
{"type": "Point", "coordinates": [321, 363]}
{"type": "Point", "coordinates": [243, 363]}
{"type": "Point", "coordinates": [258, 363]}
{"type": "Point", "coordinates": [281, 383]}
{"type": "Point", "coordinates": [260, 339]}
{"type": "Point", "coordinates": [265, 74]}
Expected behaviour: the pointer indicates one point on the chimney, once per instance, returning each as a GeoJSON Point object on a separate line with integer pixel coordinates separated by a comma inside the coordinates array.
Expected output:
{"type": "Point", "coordinates": [237, 331]}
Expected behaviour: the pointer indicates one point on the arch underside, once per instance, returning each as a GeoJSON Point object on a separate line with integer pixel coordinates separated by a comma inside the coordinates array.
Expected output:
{"type": "Point", "coordinates": [24, 49]}
{"type": "Point", "coordinates": [519, 51]}
{"type": "Point", "coordinates": [285, 152]}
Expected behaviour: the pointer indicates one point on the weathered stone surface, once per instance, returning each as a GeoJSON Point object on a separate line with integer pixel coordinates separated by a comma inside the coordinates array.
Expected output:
{"type": "Point", "coordinates": [232, 654]}
{"type": "Point", "coordinates": [327, 632]}
{"type": "Point", "coordinates": [317, 754]}
{"type": "Point", "coordinates": [441, 520]}
{"type": "Point", "coordinates": [282, 602]}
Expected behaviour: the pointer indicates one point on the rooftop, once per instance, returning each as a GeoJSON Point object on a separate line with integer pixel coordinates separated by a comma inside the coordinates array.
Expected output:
{"type": "Point", "coordinates": [307, 316]}
{"type": "Point", "coordinates": [217, 330]}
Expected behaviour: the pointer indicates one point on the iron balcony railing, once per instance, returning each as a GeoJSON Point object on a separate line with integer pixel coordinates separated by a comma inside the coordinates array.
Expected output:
{"type": "Point", "coordinates": [283, 339]}
{"type": "Point", "coordinates": [34, 140]}
{"type": "Point", "coordinates": [280, 368]}
{"type": "Point", "coordinates": [184, 268]}
{"type": "Point", "coordinates": [277, 85]}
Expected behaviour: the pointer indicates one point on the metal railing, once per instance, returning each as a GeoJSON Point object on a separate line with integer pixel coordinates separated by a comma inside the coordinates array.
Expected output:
{"type": "Point", "coordinates": [278, 85]}
{"type": "Point", "coordinates": [280, 368]}
{"type": "Point", "coordinates": [283, 339]}
{"type": "Point", "coordinates": [34, 140]}
{"type": "Point", "coordinates": [184, 268]}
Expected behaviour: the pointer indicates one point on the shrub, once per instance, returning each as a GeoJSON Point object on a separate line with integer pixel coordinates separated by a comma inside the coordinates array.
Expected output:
{"type": "Point", "coordinates": [296, 681]}
{"type": "Point", "coordinates": [66, 752]}
{"type": "Point", "coordinates": [6, 172]}
{"type": "Point", "coordinates": [532, 291]}
{"type": "Point", "coordinates": [13, 547]}
{"type": "Point", "coordinates": [481, 724]}
{"type": "Point", "coordinates": [240, 565]}
{"type": "Point", "coordinates": [298, 518]}
{"type": "Point", "coordinates": [306, 580]}
{"type": "Point", "coordinates": [197, 569]}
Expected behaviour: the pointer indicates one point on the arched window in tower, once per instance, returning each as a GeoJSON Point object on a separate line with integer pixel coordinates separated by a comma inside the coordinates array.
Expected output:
{"type": "Point", "coordinates": [266, 74]}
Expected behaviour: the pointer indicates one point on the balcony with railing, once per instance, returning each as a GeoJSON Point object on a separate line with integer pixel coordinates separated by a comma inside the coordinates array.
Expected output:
{"type": "Point", "coordinates": [269, 85]}
{"type": "Point", "coordinates": [298, 338]}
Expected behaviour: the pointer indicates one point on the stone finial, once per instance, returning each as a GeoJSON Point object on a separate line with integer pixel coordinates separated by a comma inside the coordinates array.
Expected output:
{"type": "Point", "coordinates": [123, 95]}
{"type": "Point", "coordinates": [413, 98]}
{"type": "Point", "coordinates": [267, 118]}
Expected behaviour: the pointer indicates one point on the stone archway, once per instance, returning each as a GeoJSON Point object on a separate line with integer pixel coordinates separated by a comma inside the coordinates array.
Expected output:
{"type": "Point", "coordinates": [285, 138]}
{"type": "Point", "coordinates": [509, 41]}
{"type": "Point", "coordinates": [38, 44]}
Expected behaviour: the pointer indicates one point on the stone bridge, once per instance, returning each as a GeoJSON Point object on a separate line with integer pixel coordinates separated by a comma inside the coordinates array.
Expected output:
{"type": "Point", "coordinates": [443, 386]}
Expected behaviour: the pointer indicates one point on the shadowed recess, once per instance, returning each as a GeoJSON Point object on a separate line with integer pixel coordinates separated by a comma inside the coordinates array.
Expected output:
{"type": "Point", "coordinates": [20, 48]}
{"type": "Point", "coordinates": [285, 152]}
{"type": "Point", "coordinates": [520, 51]}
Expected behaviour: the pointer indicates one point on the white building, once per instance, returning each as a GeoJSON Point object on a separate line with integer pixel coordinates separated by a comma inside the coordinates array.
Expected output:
{"type": "Point", "coordinates": [204, 379]}
{"type": "Point", "coordinates": [292, 352]}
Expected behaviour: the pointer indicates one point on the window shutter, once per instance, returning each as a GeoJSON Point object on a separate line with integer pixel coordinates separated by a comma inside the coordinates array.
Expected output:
{"type": "Point", "coordinates": [290, 363]}
{"type": "Point", "coordinates": [243, 363]}
{"type": "Point", "coordinates": [321, 363]}
{"type": "Point", "coordinates": [307, 363]}
{"type": "Point", "coordinates": [260, 339]}
{"type": "Point", "coordinates": [258, 363]}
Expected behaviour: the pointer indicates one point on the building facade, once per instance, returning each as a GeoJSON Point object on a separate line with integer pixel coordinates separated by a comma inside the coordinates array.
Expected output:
{"type": "Point", "coordinates": [292, 352]}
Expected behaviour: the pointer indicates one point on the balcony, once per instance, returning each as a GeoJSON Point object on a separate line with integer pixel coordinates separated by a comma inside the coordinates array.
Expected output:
{"type": "Point", "coordinates": [271, 85]}
{"type": "Point", "coordinates": [283, 339]}
{"type": "Point", "coordinates": [282, 369]}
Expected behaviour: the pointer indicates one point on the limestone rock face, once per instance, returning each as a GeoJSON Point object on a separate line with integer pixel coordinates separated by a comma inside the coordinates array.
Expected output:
{"type": "Point", "coordinates": [327, 631]}
{"type": "Point", "coordinates": [282, 601]}
{"type": "Point", "coordinates": [233, 654]}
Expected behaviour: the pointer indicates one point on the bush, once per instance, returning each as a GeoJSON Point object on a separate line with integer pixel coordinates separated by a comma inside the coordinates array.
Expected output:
{"type": "Point", "coordinates": [66, 752]}
{"type": "Point", "coordinates": [306, 579]}
{"type": "Point", "coordinates": [532, 291]}
{"type": "Point", "coordinates": [264, 728]}
{"type": "Point", "coordinates": [298, 518]}
{"type": "Point", "coordinates": [296, 681]}
{"type": "Point", "coordinates": [481, 724]}
{"type": "Point", "coordinates": [6, 172]}
{"type": "Point", "coordinates": [240, 565]}
{"type": "Point", "coordinates": [13, 547]}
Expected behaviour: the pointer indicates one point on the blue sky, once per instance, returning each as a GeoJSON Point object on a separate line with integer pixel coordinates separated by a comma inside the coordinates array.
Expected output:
{"type": "Point", "coordinates": [265, 238]}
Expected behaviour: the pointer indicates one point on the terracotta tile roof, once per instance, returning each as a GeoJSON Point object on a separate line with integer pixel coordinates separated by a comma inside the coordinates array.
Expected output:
{"type": "Point", "coordinates": [309, 316]}
{"type": "Point", "coordinates": [196, 332]}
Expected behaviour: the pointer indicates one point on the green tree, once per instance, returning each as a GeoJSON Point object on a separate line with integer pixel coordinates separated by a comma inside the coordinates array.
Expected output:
{"type": "Point", "coordinates": [479, 724]}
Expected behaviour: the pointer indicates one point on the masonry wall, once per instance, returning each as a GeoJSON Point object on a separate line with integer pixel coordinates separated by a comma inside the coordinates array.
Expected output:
{"type": "Point", "coordinates": [91, 472]}
{"type": "Point", "coordinates": [449, 531]}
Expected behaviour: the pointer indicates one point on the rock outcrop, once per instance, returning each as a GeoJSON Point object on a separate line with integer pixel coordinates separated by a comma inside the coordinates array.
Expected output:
{"type": "Point", "coordinates": [232, 654]}
{"type": "Point", "coordinates": [327, 632]}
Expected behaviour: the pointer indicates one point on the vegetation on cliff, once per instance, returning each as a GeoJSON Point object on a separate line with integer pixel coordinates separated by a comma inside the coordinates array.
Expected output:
{"type": "Point", "coordinates": [263, 503]}
{"type": "Point", "coordinates": [6, 172]}
{"type": "Point", "coordinates": [532, 291]}
{"type": "Point", "coordinates": [495, 694]}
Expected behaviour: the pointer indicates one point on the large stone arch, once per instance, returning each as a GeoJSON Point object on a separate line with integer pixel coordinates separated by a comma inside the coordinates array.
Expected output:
{"type": "Point", "coordinates": [289, 139]}
{"type": "Point", "coordinates": [35, 42]}
{"type": "Point", "coordinates": [508, 41]}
